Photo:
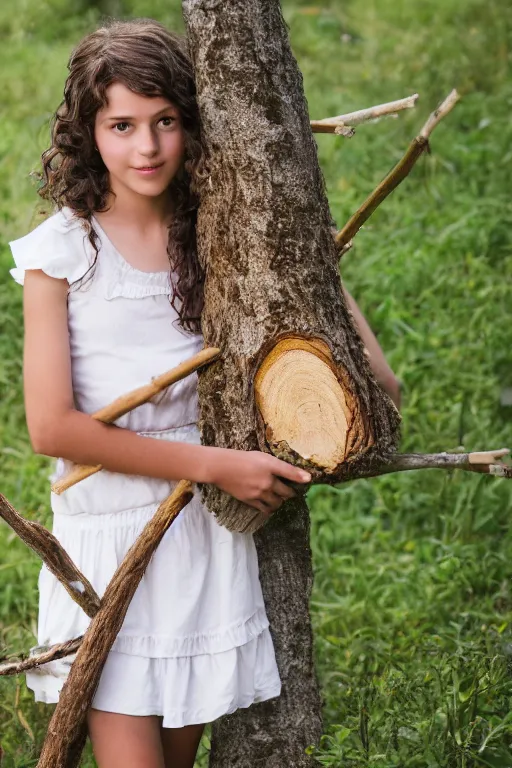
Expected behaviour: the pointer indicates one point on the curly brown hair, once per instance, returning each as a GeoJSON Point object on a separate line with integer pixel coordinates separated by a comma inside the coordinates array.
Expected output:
{"type": "Point", "coordinates": [144, 56]}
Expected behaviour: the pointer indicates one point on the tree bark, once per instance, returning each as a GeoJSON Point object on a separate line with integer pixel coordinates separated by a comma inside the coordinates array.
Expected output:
{"type": "Point", "coordinates": [293, 378]}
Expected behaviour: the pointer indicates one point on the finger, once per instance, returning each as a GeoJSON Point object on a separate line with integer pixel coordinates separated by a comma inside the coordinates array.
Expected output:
{"type": "Point", "coordinates": [283, 469]}
{"type": "Point", "coordinates": [283, 490]}
{"type": "Point", "coordinates": [259, 506]}
{"type": "Point", "coordinates": [271, 499]}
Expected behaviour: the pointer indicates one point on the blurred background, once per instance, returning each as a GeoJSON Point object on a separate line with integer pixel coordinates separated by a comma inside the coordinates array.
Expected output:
{"type": "Point", "coordinates": [412, 607]}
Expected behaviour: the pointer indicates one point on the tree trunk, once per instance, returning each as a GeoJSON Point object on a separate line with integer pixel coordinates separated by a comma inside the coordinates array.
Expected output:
{"type": "Point", "coordinates": [293, 378]}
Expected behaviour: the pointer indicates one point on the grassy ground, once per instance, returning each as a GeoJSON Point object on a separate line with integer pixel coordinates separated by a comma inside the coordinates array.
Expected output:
{"type": "Point", "coordinates": [412, 604]}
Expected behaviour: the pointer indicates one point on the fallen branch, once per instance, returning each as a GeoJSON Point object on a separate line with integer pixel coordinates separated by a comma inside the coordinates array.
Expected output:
{"type": "Point", "coordinates": [416, 148]}
{"type": "Point", "coordinates": [65, 737]}
{"type": "Point", "coordinates": [131, 400]}
{"type": "Point", "coordinates": [351, 119]}
{"type": "Point", "coordinates": [56, 559]}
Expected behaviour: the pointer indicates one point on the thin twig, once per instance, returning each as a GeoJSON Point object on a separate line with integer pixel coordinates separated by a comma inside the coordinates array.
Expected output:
{"type": "Point", "coordinates": [56, 559]}
{"type": "Point", "coordinates": [351, 119]}
{"type": "Point", "coordinates": [53, 652]}
{"type": "Point", "coordinates": [398, 174]}
{"type": "Point", "coordinates": [131, 400]}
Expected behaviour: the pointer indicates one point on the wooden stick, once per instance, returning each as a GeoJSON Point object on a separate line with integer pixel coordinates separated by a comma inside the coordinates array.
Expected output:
{"type": "Point", "coordinates": [349, 120]}
{"type": "Point", "coordinates": [485, 462]}
{"type": "Point", "coordinates": [398, 174]}
{"type": "Point", "coordinates": [65, 737]}
{"type": "Point", "coordinates": [52, 653]}
{"type": "Point", "coordinates": [56, 559]}
{"type": "Point", "coordinates": [132, 400]}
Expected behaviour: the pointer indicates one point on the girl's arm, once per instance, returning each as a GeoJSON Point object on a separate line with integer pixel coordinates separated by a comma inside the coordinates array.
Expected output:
{"type": "Point", "coordinates": [381, 370]}
{"type": "Point", "coordinates": [57, 429]}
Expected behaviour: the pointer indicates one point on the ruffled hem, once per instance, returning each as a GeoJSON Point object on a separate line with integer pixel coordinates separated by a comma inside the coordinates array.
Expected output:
{"type": "Point", "coordinates": [184, 691]}
{"type": "Point", "coordinates": [198, 644]}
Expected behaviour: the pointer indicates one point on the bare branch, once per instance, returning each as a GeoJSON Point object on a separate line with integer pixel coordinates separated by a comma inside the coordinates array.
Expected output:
{"type": "Point", "coordinates": [51, 653]}
{"type": "Point", "coordinates": [351, 119]}
{"type": "Point", "coordinates": [132, 400]}
{"type": "Point", "coordinates": [398, 174]}
{"type": "Point", "coordinates": [56, 559]}
{"type": "Point", "coordinates": [485, 462]}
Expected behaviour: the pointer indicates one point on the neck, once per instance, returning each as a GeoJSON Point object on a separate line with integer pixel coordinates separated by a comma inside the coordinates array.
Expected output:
{"type": "Point", "coordinates": [141, 211]}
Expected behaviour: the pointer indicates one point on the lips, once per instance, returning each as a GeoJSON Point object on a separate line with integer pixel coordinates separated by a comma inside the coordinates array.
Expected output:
{"type": "Point", "coordinates": [149, 167]}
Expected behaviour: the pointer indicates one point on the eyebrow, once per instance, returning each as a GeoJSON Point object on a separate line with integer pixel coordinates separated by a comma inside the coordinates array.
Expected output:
{"type": "Point", "coordinates": [126, 117]}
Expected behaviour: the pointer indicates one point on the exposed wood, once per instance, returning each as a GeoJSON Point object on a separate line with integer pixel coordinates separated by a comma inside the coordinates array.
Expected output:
{"type": "Point", "coordinates": [65, 737]}
{"type": "Point", "coordinates": [402, 169]}
{"type": "Point", "coordinates": [298, 393]}
{"type": "Point", "coordinates": [132, 400]}
{"type": "Point", "coordinates": [56, 559]}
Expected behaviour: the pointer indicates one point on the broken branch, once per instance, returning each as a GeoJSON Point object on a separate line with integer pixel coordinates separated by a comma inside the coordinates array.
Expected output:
{"type": "Point", "coordinates": [131, 400]}
{"type": "Point", "coordinates": [397, 175]}
{"type": "Point", "coordinates": [349, 120]}
{"type": "Point", "coordinates": [56, 559]}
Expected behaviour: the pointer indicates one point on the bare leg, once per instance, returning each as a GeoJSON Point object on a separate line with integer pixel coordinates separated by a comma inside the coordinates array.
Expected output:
{"type": "Point", "coordinates": [180, 745]}
{"type": "Point", "coordinates": [125, 741]}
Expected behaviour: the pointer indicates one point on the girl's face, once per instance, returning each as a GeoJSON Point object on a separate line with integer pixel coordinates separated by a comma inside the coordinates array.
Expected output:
{"type": "Point", "coordinates": [141, 141]}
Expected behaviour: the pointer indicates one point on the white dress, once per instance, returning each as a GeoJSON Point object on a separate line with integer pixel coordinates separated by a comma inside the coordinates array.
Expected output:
{"type": "Point", "coordinates": [195, 642]}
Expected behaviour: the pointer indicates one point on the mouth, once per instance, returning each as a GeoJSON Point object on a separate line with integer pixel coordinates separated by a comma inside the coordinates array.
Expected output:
{"type": "Point", "coordinates": [148, 168]}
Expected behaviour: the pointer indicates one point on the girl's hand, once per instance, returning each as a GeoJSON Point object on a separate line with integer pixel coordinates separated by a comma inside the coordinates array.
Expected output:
{"type": "Point", "coordinates": [254, 478]}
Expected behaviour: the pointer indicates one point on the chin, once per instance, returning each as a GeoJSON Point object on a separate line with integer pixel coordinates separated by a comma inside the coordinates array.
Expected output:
{"type": "Point", "coordinates": [149, 190]}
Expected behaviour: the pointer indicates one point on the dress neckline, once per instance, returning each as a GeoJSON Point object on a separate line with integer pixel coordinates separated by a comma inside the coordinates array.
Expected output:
{"type": "Point", "coordinates": [124, 262]}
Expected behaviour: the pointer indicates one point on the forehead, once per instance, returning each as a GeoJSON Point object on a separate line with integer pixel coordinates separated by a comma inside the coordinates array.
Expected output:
{"type": "Point", "coordinates": [122, 101]}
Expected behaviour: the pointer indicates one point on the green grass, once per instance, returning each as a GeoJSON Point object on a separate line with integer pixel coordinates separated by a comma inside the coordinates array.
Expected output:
{"type": "Point", "coordinates": [412, 604]}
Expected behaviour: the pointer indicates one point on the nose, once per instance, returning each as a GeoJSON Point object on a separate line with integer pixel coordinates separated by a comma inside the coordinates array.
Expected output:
{"type": "Point", "coordinates": [148, 144]}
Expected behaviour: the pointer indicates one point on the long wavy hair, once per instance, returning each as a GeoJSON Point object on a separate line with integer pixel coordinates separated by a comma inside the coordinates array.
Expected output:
{"type": "Point", "coordinates": [151, 61]}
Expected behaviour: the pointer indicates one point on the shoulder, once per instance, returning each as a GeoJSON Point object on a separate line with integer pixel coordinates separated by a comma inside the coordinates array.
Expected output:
{"type": "Point", "coordinates": [57, 246]}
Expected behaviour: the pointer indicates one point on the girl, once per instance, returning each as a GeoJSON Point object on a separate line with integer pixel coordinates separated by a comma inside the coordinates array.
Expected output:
{"type": "Point", "coordinates": [112, 298]}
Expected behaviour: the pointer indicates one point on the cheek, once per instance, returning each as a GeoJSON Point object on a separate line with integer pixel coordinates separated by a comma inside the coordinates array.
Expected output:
{"type": "Point", "coordinates": [112, 151]}
{"type": "Point", "coordinates": [175, 145]}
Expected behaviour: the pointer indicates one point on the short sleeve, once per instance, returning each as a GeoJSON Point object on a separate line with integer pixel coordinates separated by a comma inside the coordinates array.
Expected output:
{"type": "Point", "coordinates": [57, 246]}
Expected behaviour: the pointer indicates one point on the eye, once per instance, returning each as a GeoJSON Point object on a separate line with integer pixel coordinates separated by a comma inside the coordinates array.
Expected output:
{"type": "Point", "coordinates": [167, 121]}
{"type": "Point", "coordinates": [121, 127]}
